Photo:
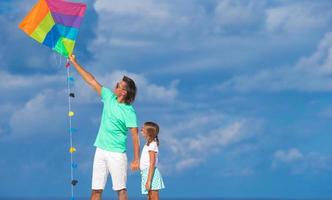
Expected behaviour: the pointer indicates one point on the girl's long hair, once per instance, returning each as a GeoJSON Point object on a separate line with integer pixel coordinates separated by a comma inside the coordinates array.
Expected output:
{"type": "Point", "coordinates": [152, 130]}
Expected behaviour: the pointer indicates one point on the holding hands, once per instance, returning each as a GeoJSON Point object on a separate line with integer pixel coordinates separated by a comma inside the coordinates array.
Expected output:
{"type": "Point", "coordinates": [134, 165]}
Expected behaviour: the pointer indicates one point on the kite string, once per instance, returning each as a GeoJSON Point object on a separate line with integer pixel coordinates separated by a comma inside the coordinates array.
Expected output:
{"type": "Point", "coordinates": [70, 128]}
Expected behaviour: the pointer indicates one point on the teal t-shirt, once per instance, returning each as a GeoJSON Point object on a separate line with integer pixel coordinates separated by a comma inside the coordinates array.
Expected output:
{"type": "Point", "coordinates": [115, 121]}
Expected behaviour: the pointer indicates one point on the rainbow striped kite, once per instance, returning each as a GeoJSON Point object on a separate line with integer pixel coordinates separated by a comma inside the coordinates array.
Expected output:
{"type": "Point", "coordinates": [54, 23]}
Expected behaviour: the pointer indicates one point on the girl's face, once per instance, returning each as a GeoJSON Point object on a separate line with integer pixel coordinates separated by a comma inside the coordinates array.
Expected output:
{"type": "Point", "coordinates": [143, 130]}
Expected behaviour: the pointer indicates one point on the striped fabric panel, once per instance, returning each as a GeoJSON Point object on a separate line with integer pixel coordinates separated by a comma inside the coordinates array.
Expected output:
{"type": "Point", "coordinates": [52, 37]}
{"type": "Point", "coordinates": [44, 27]}
{"type": "Point", "coordinates": [69, 45]}
{"type": "Point", "coordinates": [67, 32]}
{"type": "Point", "coordinates": [35, 16]}
{"type": "Point", "coordinates": [60, 47]}
{"type": "Point", "coordinates": [67, 20]}
{"type": "Point", "coordinates": [66, 8]}
{"type": "Point", "coordinates": [64, 46]}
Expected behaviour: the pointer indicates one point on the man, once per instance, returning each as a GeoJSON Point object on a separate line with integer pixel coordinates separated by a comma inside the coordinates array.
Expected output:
{"type": "Point", "coordinates": [118, 116]}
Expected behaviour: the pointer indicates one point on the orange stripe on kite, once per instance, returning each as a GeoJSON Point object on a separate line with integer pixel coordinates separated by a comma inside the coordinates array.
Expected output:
{"type": "Point", "coordinates": [33, 19]}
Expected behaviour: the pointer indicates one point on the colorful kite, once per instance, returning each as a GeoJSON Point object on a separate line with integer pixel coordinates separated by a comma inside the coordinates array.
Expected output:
{"type": "Point", "coordinates": [55, 23]}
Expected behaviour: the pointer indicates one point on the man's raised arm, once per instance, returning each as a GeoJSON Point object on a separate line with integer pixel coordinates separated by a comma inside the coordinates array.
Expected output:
{"type": "Point", "coordinates": [87, 76]}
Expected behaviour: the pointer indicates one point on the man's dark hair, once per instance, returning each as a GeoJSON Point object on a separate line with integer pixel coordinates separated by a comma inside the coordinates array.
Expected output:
{"type": "Point", "coordinates": [131, 90]}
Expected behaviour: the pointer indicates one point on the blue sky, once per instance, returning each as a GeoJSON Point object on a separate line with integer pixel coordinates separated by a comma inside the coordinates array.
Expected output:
{"type": "Point", "coordinates": [241, 90]}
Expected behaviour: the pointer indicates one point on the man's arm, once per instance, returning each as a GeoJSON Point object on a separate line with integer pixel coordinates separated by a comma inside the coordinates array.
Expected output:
{"type": "Point", "coordinates": [135, 163]}
{"type": "Point", "coordinates": [88, 77]}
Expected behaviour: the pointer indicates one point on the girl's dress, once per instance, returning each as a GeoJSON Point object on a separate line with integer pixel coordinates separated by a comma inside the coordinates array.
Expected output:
{"type": "Point", "coordinates": [157, 180]}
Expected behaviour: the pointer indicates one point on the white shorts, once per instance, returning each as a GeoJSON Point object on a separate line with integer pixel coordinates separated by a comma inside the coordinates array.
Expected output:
{"type": "Point", "coordinates": [105, 163]}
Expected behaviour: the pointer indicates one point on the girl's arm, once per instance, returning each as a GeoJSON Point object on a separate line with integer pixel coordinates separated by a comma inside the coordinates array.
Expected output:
{"type": "Point", "coordinates": [88, 77]}
{"type": "Point", "coordinates": [152, 155]}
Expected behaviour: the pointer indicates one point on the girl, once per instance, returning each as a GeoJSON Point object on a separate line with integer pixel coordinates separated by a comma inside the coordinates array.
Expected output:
{"type": "Point", "coordinates": [152, 181]}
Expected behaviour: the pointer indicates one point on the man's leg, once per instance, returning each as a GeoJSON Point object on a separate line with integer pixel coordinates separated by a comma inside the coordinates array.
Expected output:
{"type": "Point", "coordinates": [96, 194]}
{"type": "Point", "coordinates": [122, 194]}
{"type": "Point", "coordinates": [99, 174]}
{"type": "Point", "coordinates": [118, 169]}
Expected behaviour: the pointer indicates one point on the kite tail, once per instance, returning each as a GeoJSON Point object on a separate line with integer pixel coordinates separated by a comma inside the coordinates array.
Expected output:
{"type": "Point", "coordinates": [72, 149]}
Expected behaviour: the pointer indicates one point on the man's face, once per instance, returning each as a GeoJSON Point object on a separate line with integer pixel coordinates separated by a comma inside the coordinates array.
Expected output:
{"type": "Point", "coordinates": [120, 89]}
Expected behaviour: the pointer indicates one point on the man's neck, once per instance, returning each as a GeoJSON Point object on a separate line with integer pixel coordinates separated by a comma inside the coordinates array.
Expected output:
{"type": "Point", "coordinates": [120, 99]}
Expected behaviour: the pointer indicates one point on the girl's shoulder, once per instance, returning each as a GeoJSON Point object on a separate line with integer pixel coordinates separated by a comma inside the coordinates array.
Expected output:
{"type": "Point", "coordinates": [152, 146]}
{"type": "Point", "coordinates": [154, 142]}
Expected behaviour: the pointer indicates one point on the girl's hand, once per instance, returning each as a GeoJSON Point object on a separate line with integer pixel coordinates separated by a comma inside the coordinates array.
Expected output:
{"type": "Point", "coordinates": [148, 185]}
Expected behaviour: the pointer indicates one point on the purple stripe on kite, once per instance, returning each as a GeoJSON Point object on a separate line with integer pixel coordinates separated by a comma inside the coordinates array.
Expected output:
{"type": "Point", "coordinates": [66, 8]}
{"type": "Point", "coordinates": [67, 20]}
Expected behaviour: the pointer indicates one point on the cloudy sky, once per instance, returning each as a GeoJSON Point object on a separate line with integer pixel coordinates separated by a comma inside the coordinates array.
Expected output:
{"type": "Point", "coordinates": [241, 90]}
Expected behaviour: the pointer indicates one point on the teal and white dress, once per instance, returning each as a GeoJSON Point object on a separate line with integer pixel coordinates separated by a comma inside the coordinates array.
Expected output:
{"type": "Point", "coordinates": [157, 180]}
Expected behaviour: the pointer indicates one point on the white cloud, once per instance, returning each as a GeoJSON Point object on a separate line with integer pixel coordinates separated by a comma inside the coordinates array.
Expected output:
{"type": "Point", "coordinates": [288, 156]}
{"type": "Point", "coordinates": [298, 163]}
{"type": "Point", "coordinates": [321, 60]}
{"type": "Point", "coordinates": [15, 82]}
{"type": "Point", "coordinates": [146, 91]}
{"type": "Point", "coordinates": [128, 16]}
{"type": "Point", "coordinates": [150, 92]}
{"type": "Point", "coordinates": [131, 30]}
{"type": "Point", "coordinates": [238, 172]}
{"type": "Point", "coordinates": [104, 41]}
{"type": "Point", "coordinates": [129, 42]}
{"type": "Point", "coordinates": [45, 112]}
{"type": "Point", "coordinates": [42, 115]}
{"type": "Point", "coordinates": [308, 74]}
{"type": "Point", "coordinates": [325, 112]}
{"type": "Point", "coordinates": [147, 8]}
{"type": "Point", "coordinates": [133, 24]}
{"type": "Point", "coordinates": [296, 17]}
{"type": "Point", "coordinates": [188, 163]}
{"type": "Point", "coordinates": [219, 137]}
{"type": "Point", "coordinates": [191, 142]}
{"type": "Point", "coordinates": [234, 13]}
{"type": "Point", "coordinates": [33, 167]}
